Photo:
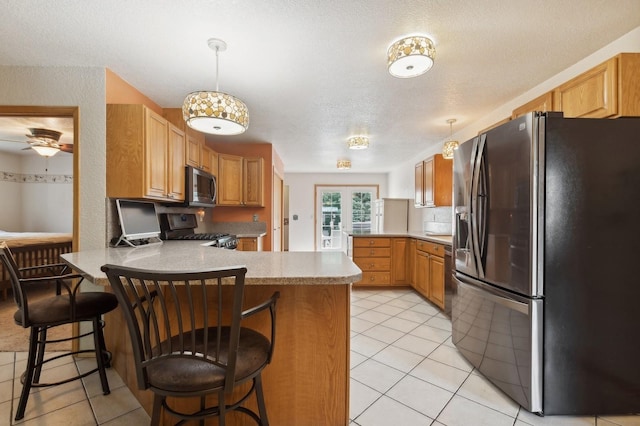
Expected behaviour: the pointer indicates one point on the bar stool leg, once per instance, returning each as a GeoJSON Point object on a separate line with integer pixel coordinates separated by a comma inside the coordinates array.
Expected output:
{"type": "Point", "coordinates": [99, 346]}
{"type": "Point", "coordinates": [28, 376]}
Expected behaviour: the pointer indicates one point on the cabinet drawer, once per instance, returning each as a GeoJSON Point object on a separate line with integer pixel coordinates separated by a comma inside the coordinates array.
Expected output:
{"type": "Point", "coordinates": [373, 263]}
{"type": "Point", "coordinates": [371, 242]}
{"type": "Point", "coordinates": [375, 278]}
{"type": "Point", "coordinates": [431, 248]}
{"type": "Point", "coordinates": [372, 252]}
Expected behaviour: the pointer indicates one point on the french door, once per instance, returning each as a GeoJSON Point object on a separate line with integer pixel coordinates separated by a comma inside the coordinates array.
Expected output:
{"type": "Point", "coordinates": [340, 209]}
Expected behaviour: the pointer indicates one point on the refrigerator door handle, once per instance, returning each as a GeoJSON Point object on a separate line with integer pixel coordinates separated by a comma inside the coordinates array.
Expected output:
{"type": "Point", "coordinates": [475, 205]}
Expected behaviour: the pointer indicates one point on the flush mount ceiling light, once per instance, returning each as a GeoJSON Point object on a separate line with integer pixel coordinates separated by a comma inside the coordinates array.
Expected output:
{"type": "Point", "coordinates": [410, 56]}
{"type": "Point", "coordinates": [358, 142]}
{"type": "Point", "coordinates": [450, 146]}
{"type": "Point", "coordinates": [344, 164]}
{"type": "Point", "coordinates": [216, 112]}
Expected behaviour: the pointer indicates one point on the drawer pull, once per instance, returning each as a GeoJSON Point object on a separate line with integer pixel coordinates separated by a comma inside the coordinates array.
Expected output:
{"type": "Point", "coordinates": [371, 242]}
{"type": "Point", "coordinates": [372, 252]}
{"type": "Point", "coordinates": [372, 279]}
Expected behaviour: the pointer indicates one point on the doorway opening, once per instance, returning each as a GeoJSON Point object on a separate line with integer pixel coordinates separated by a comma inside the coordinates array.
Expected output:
{"type": "Point", "coordinates": [339, 210]}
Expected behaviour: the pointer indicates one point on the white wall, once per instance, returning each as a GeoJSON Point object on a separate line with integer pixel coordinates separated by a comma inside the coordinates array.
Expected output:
{"type": "Point", "coordinates": [38, 193]}
{"type": "Point", "coordinates": [10, 206]}
{"type": "Point", "coordinates": [630, 42]}
{"type": "Point", "coordinates": [84, 88]}
{"type": "Point", "coordinates": [301, 200]}
{"type": "Point", "coordinates": [47, 193]}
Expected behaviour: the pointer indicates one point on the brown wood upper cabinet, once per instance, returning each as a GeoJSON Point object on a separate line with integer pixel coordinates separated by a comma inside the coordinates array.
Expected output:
{"type": "Point", "coordinates": [145, 155]}
{"type": "Point", "coordinates": [197, 153]}
{"type": "Point", "coordinates": [433, 182]}
{"type": "Point", "coordinates": [609, 90]}
{"type": "Point", "coordinates": [541, 103]}
{"type": "Point", "coordinates": [240, 181]}
{"type": "Point", "coordinates": [612, 89]}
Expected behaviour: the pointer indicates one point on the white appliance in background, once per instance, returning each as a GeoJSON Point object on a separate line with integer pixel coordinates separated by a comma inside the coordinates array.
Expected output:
{"type": "Point", "coordinates": [392, 215]}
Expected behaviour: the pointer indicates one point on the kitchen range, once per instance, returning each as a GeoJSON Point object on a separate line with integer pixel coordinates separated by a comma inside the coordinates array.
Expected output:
{"type": "Point", "coordinates": [546, 296]}
{"type": "Point", "coordinates": [182, 226]}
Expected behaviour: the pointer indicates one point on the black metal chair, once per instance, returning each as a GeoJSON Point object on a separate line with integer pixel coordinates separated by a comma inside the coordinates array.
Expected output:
{"type": "Point", "coordinates": [188, 340]}
{"type": "Point", "coordinates": [64, 306]}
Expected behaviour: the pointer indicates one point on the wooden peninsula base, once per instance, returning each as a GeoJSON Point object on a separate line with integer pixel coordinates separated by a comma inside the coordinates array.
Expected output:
{"type": "Point", "coordinates": [307, 382]}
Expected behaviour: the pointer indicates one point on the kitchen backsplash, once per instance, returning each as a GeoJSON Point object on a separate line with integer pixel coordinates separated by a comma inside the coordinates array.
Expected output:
{"type": "Point", "coordinates": [239, 228]}
{"type": "Point", "coordinates": [437, 220]}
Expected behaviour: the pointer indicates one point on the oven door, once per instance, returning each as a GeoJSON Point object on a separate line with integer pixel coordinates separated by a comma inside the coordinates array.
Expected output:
{"type": "Point", "coordinates": [501, 335]}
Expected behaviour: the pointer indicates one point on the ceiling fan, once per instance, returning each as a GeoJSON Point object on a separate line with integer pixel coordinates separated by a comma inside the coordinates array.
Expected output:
{"type": "Point", "coordinates": [45, 142]}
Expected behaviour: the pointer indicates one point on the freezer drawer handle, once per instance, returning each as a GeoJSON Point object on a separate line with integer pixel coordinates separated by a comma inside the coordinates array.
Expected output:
{"type": "Point", "coordinates": [510, 304]}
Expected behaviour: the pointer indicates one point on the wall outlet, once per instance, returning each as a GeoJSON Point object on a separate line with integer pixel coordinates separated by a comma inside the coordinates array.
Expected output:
{"type": "Point", "coordinates": [255, 217]}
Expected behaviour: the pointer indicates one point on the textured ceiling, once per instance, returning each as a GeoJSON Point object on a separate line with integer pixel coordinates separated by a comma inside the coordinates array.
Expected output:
{"type": "Point", "coordinates": [313, 72]}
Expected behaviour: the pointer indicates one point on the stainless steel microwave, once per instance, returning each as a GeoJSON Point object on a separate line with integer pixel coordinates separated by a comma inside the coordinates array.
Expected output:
{"type": "Point", "coordinates": [201, 188]}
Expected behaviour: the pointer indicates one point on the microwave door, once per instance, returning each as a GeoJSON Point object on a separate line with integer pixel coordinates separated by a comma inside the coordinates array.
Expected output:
{"type": "Point", "coordinates": [463, 166]}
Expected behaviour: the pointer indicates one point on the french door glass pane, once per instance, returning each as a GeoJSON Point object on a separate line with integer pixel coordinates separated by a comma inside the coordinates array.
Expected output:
{"type": "Point", "coordinates": [331, 220]}
{"type": "Point", "coordinates": [361, 211]}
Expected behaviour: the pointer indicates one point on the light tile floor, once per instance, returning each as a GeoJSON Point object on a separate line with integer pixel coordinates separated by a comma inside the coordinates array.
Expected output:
{"type": "Point", "coordinates": [404, 371]}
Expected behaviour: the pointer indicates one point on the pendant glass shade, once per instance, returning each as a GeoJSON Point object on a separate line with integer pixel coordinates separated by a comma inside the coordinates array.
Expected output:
{"type": "Point", "coordinates": [450, 146]}
{"type": "Point", "coordinates": [358, 142]}
{"type": "Point", "coordinates": [344, 164]}
{"type": "Point", "coordinates": [215, 112]}
{"type": "Point", "coordinates": [411, 56]}
{"type": "Point", "coordinates": [45, 151]}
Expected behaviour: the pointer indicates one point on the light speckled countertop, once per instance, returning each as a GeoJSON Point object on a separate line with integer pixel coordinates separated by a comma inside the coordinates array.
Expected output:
{"type": "Point", "coordinates": [266, 268]}
{"type": "Point", "coordinates": [441, 239]}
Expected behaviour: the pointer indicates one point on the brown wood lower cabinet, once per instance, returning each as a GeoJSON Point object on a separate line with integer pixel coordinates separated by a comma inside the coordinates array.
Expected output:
{"type": "Point", "coordinates": [250, 244]}
{"type": "Point", "coordinates": [429, 271]}
{"type": "Point", "coordinates": [383, 261]}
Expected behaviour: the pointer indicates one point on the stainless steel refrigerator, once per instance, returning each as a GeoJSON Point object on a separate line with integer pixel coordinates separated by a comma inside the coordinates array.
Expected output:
{"type": "Point", "coordinates": [546, 296]}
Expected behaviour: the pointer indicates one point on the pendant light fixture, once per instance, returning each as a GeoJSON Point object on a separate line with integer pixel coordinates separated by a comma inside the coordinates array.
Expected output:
{"type": "Point", "coordinates": [216, 112]}
{"type": "Point", "coordinates": [451, 145]}
{"type": "Point", "coordinates": [411, 56]}
{"type": "Point", "coordinates": [358, 142]}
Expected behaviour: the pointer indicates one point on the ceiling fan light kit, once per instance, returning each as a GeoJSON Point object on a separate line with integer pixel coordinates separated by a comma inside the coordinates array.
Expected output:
{"type": "Point", "coordinates": [411, 56]}
{"type": "Point", "coordinates": [45, 151]}
{"type": "Point", "coordinates": [215, 112]}
{"type": "Point", "coordinates": [45, 141]}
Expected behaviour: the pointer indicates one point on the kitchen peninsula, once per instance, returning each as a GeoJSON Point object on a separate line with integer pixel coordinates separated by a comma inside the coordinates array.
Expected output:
{"type": "Point", "coordinates": [308, 379]}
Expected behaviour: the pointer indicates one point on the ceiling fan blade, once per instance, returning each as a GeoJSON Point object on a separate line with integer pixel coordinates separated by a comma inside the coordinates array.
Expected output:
{"type": "Point", "coordinates": [13, 140]}
{"type": "Point", "coordinates": [66, 147]}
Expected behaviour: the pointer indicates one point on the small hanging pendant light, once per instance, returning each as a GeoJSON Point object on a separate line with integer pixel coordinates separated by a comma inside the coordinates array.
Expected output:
{"type": "Point", "coordinates": [450, 146]}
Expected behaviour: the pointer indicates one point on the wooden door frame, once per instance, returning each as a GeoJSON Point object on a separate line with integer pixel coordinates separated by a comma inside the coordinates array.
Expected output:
{"type": "Point", "coordinates": [57, 111]}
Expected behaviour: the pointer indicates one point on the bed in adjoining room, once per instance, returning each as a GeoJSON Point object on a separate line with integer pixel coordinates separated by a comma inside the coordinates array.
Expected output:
{"type": "Point", "coordinates": [33, 249]}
